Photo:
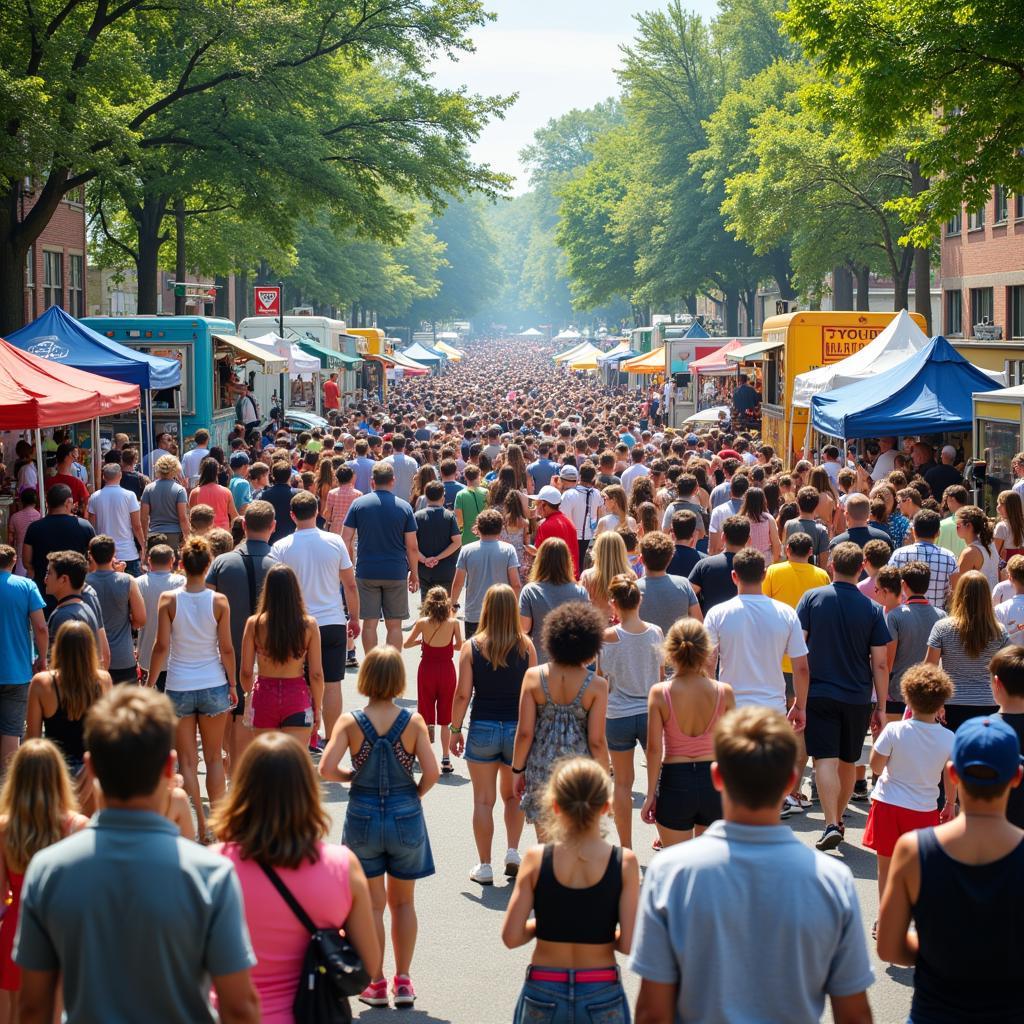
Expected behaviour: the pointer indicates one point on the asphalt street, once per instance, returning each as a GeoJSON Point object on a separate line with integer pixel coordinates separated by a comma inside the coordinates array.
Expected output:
{"type": "Point", "coordinates": [462, 972]}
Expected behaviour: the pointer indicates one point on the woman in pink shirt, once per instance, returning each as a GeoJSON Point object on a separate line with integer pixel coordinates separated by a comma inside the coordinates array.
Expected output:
{"type": "Point", "coordinates": [273, 815]}
{"type": "Point", "coordinates": [209, 492]}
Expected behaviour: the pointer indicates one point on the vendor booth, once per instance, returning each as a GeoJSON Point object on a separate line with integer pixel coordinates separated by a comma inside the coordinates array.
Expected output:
{"type": "Point", "coordinates": [61, 338]}
{"type": "Point", "coordinates": [584, 358]}
{"type": "Point", "coordinates": [571, 351]}
{"type": "Point", "coordinates": [610, 365]}
{"type": "Point", "coordinates": [429, 357]}
{"type": "Point", "coordinates": [930, 392]}
{"type": "Point", "coordinates": [303, 389]}
{"type": "Point", "coordinates": [36, 393]}
{"type": "Point", "coordinates": [454, 354]}
{"type": "Point", "coordinates": [998, 435]}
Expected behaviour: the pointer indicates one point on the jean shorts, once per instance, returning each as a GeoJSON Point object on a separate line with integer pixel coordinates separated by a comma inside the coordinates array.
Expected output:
{"type": "Point", "coordinates": [625, 733]}
{"type": "Point", "coordinates": [214, 700]}
{"type": "Point", "coordinates": [389, 836]}
{"type": "Point", "coordinates": [558, 1002]}
{"type": "Point", "coordinates": [13, 706]}
{"type": "Point", "coordinates": [487, 742]}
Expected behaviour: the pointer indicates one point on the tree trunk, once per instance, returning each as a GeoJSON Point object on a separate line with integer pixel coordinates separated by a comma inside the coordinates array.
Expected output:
{"type": "Point", "coordinates": [20, 227]}
{"type": "Point", "coordinates": [690, 302]}
{"type": "Point", "coordinates": [901, 281]}
{"type": "Point", "coordinates": [732, 312]}
{"type": "Point", "coordinates": [842, 288]}
{"type": "Point", "coordinates": [147, 218]}
{"type": "Point", "coordinates": [242, 294]}
{"type": "Point", "coordinates": [923, 286]}
{"type": "Point", "coordinates": [782, 271]}
{"type": "Point", "coordinates": [180, 269]}
{"type": "Point", "coordinates": [863, 276]}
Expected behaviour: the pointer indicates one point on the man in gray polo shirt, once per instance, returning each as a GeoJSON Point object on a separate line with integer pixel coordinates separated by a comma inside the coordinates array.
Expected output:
{"type": "Point", "coordinates": [483, 564]}
{"type": "Point", "coordinates": [708, 905]}
{"type": "Point", "coordinates": [129, 919]}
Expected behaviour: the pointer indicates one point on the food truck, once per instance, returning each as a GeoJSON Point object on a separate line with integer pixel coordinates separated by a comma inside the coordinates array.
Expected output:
{"type": "Point", "coordinates": [374, 347]}
{"type": "Point", "coordinates": [212, 357]}
{"type": "Point", "coordinates": [794, 343]}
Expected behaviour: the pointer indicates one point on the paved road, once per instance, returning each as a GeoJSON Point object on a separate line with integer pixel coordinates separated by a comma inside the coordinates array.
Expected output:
{"type": "Point", "coordinates": [462, 972]}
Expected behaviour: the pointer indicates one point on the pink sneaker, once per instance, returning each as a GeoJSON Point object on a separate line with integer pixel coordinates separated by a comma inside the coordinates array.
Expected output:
{"type": "Point", "coordinates": [402, 992]}
{"type": "Point", "coordinates": [375, 994]}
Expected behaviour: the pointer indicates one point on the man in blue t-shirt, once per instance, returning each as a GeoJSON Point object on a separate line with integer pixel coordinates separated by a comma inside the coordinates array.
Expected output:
{"type": "Point", "coordinates": [387, 558]}
{"type": "Point", "coordinates": [21, 622]}
{"type": "Point", "coordinates": [543, 469]}
{"type": "Point", "coordinates": [846, 637]}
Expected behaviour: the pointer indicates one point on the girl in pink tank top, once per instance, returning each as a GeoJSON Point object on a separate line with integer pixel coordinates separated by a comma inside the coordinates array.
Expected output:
{"type": "Point", "coordinates": [764, 532]}
{"type": "Point", "coordinates": [681, 715]}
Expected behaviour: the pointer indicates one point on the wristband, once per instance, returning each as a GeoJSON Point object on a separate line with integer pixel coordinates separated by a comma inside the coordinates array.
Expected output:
{"type": "Point", "coordinates": [456, 729]}
{"type": "Point", "coordinates": [518, 771]}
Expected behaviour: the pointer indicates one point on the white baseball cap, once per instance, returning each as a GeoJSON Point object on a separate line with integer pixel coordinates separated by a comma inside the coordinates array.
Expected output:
{"type": "Point", "coordinates": [552, 495]}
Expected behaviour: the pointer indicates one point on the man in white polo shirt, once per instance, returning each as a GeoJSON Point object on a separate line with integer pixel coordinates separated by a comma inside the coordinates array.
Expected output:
{"type": "Point", "coordinates": [752, 633]}
{"type": "Point", "coordinates": [321, 561]}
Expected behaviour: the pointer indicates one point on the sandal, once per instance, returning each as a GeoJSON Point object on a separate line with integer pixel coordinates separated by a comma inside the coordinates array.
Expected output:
{"type": "Point", "coordinates": [446, 766]}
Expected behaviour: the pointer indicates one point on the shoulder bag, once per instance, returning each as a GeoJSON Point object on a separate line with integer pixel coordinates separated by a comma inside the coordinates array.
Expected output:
{"type": "Point", "coordinates": [331, 969]}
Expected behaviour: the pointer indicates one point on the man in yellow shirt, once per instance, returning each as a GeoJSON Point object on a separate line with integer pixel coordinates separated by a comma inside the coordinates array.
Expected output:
{"type": "Point", "coordinates": [787, 582]}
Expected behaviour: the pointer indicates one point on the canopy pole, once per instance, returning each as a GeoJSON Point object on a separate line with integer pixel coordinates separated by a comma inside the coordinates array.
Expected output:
{"type": "Point", "coordinates": [181, 428]}
{"type": "Point", "coordinates": [40, 471]}
{"type": "Point", "coordinates": [149, 420]}
{"type": "Point", "coordinates": [97, 481]}
{"type": "Point", "coordinates": [791, 428]}
{"type": "Point", "coordinates": [142, 443]}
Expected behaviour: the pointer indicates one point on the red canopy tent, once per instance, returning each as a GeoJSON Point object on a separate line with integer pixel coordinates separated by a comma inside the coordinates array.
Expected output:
{"type": "Point", "coordinates": [36, 393]}
{"type": "Point", "coordinates": [715, 362]}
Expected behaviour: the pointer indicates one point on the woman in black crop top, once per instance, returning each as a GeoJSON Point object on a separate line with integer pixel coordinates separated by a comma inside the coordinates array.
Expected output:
{"type": "Point", "coordinates": [491, 669]}
{"type": "Point", "coordinates": [583, 893]}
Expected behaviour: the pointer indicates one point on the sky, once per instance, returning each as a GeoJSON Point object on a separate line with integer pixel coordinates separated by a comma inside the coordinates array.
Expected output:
{"type": "Point", "coordinates": [556, 54]}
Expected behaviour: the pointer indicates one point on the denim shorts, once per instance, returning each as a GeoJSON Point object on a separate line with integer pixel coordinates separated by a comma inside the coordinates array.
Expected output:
{"type": "Point", "coordinates": [13, 706]}
{"type": "Point", "coordinates": [389, 836]}
{"type": "Point", "coordinates": [487, 742]}
{"type": "Point", "coordinates": [625, 733]}
{"type": "Point", "coordinates": [562, 1002]}
{"type": "Point", "coordinates": [212, 701]}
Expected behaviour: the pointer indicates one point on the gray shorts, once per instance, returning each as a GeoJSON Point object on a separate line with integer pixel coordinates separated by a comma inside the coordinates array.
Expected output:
{"type": "Point", "coordinates": [13, 704]}
{"type": "Point", "coordinates": [383, 599]}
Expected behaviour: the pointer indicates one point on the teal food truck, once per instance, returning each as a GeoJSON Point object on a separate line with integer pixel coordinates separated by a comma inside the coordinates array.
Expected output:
{"type": "Point", "coordinates": [212, 358]}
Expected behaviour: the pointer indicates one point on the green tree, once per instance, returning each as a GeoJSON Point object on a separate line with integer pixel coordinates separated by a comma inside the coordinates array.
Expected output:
{"type": "Point", "coordinates": [893, 66]}
{"type": "Point", "coordinates": [88, 87]}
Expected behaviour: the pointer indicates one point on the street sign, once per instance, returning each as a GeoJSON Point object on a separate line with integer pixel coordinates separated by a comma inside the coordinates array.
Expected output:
{"type": "Point", "coordinates": [268, 300]}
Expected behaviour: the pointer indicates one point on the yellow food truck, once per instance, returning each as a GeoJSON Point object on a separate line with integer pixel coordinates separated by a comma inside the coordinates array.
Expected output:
{"type": "Point", "coordinates": [794, 343]}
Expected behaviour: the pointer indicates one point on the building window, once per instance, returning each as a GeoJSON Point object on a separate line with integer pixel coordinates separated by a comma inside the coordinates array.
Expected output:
{"type": "Point", "coordinates": [76, 292]}
{"type": "Point", "coordinates": [30, 267]}
{"type": "Point", "coordinates": [981, 306]}
{"type": "Point", "coordinates": [955, 224]}
{"type": "Point", "coordinates": [1017, 311]}
{"type": "Point", "coordinates": [976, 219]}
{"type": "Point", "coordinates": [1014, 375]}
{"type": "Point", "coordinates": [954, 312]}
{"type": "Point", "coordinates": [1018, 205]}
{"type": "Point", "coordinates": [1002, 203]}
{"type": "Point", "coordinates": [53, 279]}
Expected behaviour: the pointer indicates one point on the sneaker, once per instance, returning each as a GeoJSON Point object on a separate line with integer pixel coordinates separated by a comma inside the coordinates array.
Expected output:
{"type": "Point", "coordinates": [350, 661]}
{"type": "Point", "coordinates": [316, 745]}
{"type": "Point", "coordinates": [446, 766]}
{"type": "Point", "coordinates": [830, 838]}
{"type": "Point", "coordinates": [402, 992]}
{"type": "Point", "coordinates": [860, 791]}
{"type": "Point", "coordinates": [482, 873]}
{"type": "Point", "coordinates": [787, 809]}
{"type": "Point", "coordinates": [794, 804]}
{"type": "Point", "coordinates": [512, 862]}
{"type": "Point", "coordinates": [375, 994]}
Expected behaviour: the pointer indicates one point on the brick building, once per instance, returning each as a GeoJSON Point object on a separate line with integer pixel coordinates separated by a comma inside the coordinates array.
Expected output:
{"type": "Point", "coordinates": [983, 267]}
{"type": "Point", "coordinates": [55, 271]}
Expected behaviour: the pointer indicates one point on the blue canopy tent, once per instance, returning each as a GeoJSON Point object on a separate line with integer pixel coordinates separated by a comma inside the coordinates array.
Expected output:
{"type": "Point", "coordinates": [928, 393]}
{"type": "Point", "coordinates": [425, 356]}
{"type": "Point", "coordinates": [61, 338]}
{"type": "Point", "coordinates": [696, 331]}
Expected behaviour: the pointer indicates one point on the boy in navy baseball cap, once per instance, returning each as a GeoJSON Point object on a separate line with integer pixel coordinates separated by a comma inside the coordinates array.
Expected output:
{"type": "Point", "coordinates": [986, 757]}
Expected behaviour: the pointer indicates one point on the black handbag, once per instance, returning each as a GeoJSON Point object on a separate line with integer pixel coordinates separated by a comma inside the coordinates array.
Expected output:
{"type": "Point", "coordinates": [331, 969]}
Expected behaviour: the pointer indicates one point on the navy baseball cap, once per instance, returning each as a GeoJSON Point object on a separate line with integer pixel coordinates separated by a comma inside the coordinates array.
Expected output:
{"type": "Point", "coordinates": [989, 744]}
{"type": "Point", "coordinates": [238, 459]}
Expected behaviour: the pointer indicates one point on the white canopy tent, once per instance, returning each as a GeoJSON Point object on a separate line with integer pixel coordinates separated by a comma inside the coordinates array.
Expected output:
{"type": "Point", "coordinates": [530, 332]}
{"type": "Point", "coordinates": [900, 340]}
{"type": "Point", "coordinates": [569, 334]}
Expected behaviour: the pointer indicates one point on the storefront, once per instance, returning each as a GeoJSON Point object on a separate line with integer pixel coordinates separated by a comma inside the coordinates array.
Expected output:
{"type": "Point", "coordinates": [998, 431]}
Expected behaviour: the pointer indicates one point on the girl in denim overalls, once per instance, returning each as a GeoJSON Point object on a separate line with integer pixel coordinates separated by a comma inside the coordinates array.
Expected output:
{"type": "Point", "coordinates": [384, 825]}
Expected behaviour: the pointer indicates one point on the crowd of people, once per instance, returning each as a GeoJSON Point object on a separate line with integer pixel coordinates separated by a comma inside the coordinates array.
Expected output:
{"type": "Point", "coordinates": [579, 581]}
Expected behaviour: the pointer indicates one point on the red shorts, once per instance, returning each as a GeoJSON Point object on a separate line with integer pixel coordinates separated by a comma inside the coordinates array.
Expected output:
{"type": "Point", "coordinates": [887, 822]}
{"type": "Point", "coordinates": [435, 691]}
{"type": "Point", "coordinates": [281, 703]}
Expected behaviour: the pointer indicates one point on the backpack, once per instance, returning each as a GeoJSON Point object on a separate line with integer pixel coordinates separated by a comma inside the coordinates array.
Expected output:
{"type": "Point", "coordinates": [331, 968]}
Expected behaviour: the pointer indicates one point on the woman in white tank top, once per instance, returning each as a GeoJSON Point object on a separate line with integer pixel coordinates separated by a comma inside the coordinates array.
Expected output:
{"type": "Point", "coordinates": [975, 530]}
{"type": "Point", "coordinates": [194, 641]}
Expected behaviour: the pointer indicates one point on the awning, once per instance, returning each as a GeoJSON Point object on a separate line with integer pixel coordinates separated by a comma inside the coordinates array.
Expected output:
{"type": "Point", "coordinates": [651, 362]}
{"type": "Point", "coordinates": [568, 353]}
{"type": "Point", "coordinates": [402, 362]}
{"type": "Point", "coordinates": [449, 350]}
{"type": "Point", "coordinates": [329, 359]}
{"type": "Point", "coordinates": [249, 353]}
{"type": "Point", "coordinates": [755, 350]}
{"type": "Point", "coordinates": [716, 362]}
{"type": "Point", "coordinates": [620, 351]}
